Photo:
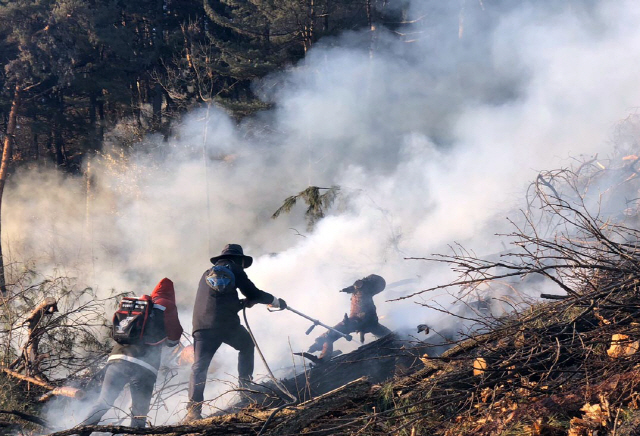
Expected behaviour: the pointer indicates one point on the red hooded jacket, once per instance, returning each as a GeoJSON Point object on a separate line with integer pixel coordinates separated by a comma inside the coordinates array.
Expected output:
{"type": "Point", "coordinates": [165, 295]}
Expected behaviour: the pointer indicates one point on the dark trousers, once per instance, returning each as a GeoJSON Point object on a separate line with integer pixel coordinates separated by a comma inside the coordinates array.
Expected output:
{"type": "Point", "coordinates": [206, 343]}
{"type": "Point", "coordinates": [118, 374]}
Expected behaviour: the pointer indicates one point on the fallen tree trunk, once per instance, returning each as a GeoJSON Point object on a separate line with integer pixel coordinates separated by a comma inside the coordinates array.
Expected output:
{"type": "Point", "coordinates": [554, 297]}
{"type": "Point", "coordinates": [377, 361]}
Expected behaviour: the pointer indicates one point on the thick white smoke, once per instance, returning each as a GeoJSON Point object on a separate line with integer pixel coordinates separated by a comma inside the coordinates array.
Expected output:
{"type": "Point", "coordinates": [432, 138]}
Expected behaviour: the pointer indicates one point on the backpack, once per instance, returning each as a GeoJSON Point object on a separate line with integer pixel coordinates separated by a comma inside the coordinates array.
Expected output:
{"type": "Point", "coordinates": [130, 320]}
{"type": "Point", "coordinates": [221, 280]}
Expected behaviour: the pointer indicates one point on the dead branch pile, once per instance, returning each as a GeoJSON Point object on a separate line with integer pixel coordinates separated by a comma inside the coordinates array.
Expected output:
{"type": "Point", "coordinates": [569, 367]}
{"type": "Point", "coordinates": [569, 364]}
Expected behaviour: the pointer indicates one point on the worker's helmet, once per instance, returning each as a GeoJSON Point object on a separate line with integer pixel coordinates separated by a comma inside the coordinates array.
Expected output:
{"type": "Point", "coordinates": [373, 282]}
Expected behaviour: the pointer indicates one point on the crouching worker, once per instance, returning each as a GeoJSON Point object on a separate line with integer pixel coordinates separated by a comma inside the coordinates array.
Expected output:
{"type": "Point", "coordinates": [362, 318]}
{"type": "Point", "coordinates": [142, 326]}
{"type": "Point", "coordinates": [216, 321]}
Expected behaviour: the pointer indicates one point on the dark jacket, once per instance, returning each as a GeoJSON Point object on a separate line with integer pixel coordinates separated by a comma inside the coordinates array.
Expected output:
{"type": "Point", "coordinates": [163, 328]}
{"type": "Point", "coordinates": [220, 311]}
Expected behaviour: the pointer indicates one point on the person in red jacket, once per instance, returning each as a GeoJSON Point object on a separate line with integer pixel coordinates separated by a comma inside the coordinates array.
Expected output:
{"type": "Point", "coordinates": [138, 364]}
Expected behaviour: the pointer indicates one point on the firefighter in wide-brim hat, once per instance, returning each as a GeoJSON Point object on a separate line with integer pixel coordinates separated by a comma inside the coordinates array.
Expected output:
{"type": "Point", "coordinates": [216, 321]}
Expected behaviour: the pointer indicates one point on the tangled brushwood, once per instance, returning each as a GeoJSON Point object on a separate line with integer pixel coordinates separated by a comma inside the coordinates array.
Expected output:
{"type": "Point", "coordinates": [566, 367]}
{"type": "Point", "coordinates": [51, 343]}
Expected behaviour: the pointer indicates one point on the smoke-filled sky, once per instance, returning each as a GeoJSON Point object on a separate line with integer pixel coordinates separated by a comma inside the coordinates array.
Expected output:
{"type": "Point", "coordinates": [432, 137]}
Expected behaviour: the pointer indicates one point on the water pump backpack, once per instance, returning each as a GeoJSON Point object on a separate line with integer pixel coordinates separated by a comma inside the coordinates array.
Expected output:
{"type": "Point", "coordinates": [221, 279]}
{"type": "Point", "coordinates": [131, 319]}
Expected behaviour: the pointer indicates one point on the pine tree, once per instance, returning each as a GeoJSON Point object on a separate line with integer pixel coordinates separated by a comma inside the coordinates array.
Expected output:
{"type": "Point", "coordinates": [252, 38]}
{"type": "Point", "coordinates": [317, 203]}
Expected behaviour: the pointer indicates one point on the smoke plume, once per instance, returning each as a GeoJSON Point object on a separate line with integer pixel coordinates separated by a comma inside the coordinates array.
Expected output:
{"type": "Point", "coordinates": [432, 133]}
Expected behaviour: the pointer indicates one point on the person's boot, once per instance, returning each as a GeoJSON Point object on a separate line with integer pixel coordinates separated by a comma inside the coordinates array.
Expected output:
{"type": "Point", "coordinates": [194, 412]}
{"type": "Point", "coordinates": [245, 382]}
{"type": "Point", "coordinates": [247, 391]}
{"type": "Point", "coordinates": [139, 421]}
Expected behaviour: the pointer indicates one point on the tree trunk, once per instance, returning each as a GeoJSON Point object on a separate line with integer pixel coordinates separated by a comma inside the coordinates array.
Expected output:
{"type": "Point", "coordinates": [66, 391]}
{"type": "Point", "coordinates": [326, 17]}
{"type": "Point", "coordinates": [9, 140]}
{"type": "Point", "coordinates": [58, 137]}
{"type": "Point", "coordinates": [372, 27]}
{"type": "Point", "coordinates": [102, 122]}
{"type": "Point", "coordinates": [136, 103]}
{"type": "Point", "coordinates": [36, 147]}
{"type": "Point", "coordinates": [93, 127]}
{"type": "Point", "coordinates": [156, 121]}
{"type": "Point", "coordinates": [310, 27]}
{"type": "Point", "coordinates": [158, 42]}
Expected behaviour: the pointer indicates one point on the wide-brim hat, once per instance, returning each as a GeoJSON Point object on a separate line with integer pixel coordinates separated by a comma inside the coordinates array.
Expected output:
{"type": "Point", "coordinates": [233, 250]}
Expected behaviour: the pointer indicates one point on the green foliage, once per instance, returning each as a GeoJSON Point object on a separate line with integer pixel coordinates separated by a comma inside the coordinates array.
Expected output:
{"type": "Point", "coordinates": [317, 203]}
{"type": "Point", "coordinates": [14, 396]}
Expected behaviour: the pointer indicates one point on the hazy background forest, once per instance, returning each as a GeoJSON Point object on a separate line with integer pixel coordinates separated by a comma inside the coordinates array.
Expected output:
{"type": "Point", "coordinates": [148, 134]}
{"type": "Point", "coordinates": [90, 64]}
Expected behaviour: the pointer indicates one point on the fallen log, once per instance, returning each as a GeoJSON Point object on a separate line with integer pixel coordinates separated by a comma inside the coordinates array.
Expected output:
{"type": "Point", "coordinates": [65, 391]}
{"type": "Point", "coordinates": [468, 344]}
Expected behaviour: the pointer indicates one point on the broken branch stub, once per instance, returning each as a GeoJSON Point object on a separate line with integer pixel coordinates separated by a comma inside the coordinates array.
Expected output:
{"type": "Point", "coordinates": [64, 391]}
